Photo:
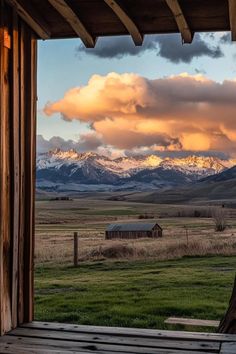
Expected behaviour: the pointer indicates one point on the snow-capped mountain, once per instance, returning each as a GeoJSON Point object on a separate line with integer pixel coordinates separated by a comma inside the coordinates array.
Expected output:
{"type": "Point", "coordinates": [83, 171]}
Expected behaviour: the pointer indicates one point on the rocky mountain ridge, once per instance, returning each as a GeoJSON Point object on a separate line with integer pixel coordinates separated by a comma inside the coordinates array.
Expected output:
{"type": "Point", "coordinates": [85, 171]}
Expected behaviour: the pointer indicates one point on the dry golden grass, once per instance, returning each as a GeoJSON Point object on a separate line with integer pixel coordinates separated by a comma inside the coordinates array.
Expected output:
{"type": "Point", "coordinates": [183, 233]}
{"type": "Point", "coordinates": [57, 247]}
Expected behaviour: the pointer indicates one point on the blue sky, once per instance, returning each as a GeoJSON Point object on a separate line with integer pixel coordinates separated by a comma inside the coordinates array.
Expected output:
{"type": "Point", "coordinates": [64, 64]}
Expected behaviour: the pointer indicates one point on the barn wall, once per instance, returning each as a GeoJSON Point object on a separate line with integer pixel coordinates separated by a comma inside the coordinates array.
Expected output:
{"type": "Point", "coordinates": [17, 164]}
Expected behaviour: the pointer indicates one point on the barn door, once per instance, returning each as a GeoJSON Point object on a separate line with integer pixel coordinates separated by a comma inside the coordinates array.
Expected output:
{"type": "Point", "coordinates": [17, 161]}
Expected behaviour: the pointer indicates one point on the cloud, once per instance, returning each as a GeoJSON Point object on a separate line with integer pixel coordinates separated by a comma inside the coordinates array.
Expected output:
{"type": "Point", "coordinates": [177, 113]}
{"type": "Point", "coordinates": [225, 38]}
{"type": "Point", "coordinates": [90, 141]}
{"type": "Point", "coordinates": [175, 52]}
{"type": "Point", "coordinates": [167, 46]}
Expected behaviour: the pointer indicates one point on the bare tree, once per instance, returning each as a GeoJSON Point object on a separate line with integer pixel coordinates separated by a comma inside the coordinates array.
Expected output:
{"type": "Point", "coordinates": [219, 217]}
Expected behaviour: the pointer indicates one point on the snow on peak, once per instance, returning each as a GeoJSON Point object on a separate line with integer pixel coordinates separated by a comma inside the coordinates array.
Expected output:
{"type": "Point", "coordinates": [126, 166]}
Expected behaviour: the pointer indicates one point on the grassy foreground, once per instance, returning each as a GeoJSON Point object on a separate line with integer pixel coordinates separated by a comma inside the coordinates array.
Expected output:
{"type": "Point", "coordinates": [134, 294]}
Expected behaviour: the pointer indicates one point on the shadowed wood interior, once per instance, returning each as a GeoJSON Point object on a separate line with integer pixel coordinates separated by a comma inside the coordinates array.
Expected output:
{"type": "Point", "coordinates": [17, 161]}
{"type": "Point", "coordinates": [181, 21]}
{"type": "Point", "coordinates": [90, 19]}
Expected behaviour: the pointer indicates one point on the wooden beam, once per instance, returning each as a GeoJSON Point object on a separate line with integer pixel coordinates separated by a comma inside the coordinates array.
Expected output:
{"type": "Point", "coordinates": [16, 205]}
{"type": "Point", "coordinates": [232, 18]}
{"type": "Point", "coordinates": [126, 20]}
{"type": "Point", "coordinates": [40, 29]}
{"type": "Point", "coordinates": [181, 21]}
{"type": "Point", "coordinates": [69, 15]}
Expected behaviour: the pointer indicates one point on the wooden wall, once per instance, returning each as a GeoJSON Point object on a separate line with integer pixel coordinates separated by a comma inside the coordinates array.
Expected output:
{"type": "Point", "coordinates": [17, 164]}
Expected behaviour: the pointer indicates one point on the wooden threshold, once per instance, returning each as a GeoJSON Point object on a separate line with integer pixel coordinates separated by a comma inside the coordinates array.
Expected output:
{"type": "Point", "coordinates": [40, 337]}
{"type": "Point", "coordinates": [192, 322]}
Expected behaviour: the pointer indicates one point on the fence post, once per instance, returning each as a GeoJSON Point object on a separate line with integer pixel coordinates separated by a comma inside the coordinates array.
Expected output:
{"type": "Point", "coordinates": [187, 238]}
{"type": "Point", "coordinates": [75, 249]}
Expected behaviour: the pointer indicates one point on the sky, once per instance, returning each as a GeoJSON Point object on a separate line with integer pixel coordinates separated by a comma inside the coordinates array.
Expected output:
{"type": "Point", "coordinates": [163, 98]}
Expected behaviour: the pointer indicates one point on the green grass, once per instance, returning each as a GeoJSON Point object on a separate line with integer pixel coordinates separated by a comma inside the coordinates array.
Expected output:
{"type": "Point", "coordinates": [135, 294]}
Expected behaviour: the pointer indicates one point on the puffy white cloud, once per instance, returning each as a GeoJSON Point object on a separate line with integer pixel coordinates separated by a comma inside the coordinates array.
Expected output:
{"type": "Point", "coordinates": [180, 112]}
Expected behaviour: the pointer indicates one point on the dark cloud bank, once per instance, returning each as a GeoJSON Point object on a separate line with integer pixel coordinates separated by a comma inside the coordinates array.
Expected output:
{"type": "Point", "coordinates": [87, 142]}
{"type": "Point", "coordinates": [166, 46]}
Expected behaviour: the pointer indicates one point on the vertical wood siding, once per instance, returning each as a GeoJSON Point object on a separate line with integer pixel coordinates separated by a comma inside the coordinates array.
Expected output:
{"type": "Point", "coordinates": [18, 52]}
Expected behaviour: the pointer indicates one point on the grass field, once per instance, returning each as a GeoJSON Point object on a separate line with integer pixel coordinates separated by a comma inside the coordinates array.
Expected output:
{"type": "Point", "coordinates": [134, 283]}
{"type": "Point", "coordinates": [135, 294]}
{"type": "Point", "coordinates": [184, 233]}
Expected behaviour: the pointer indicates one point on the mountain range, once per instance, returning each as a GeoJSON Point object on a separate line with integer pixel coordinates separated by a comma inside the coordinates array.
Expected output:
{"type": "Point", "coordinates": [217, 187]}
{"type": "Point", "coordinates": [63, 171]}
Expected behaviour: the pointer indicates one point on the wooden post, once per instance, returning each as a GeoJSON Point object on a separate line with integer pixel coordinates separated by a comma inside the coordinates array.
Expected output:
{"type": "Point", "coordinates": [228, 323]}
{"type": "Point", "coordinates": [186, 231]}
{"type": "Point", "coordinates": [75, 249]}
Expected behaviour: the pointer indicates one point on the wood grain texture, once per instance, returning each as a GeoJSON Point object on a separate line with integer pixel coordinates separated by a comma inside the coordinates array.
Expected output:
{"type": "Point", "coordinates": [232, 18]}
{"type": "Point", "coordinates": [1, 170]}
{"type": "Point", "coordinates": [30, 161]}
{"type": "Point", "coordinates": [131, 332]}
{"type": "Point", "coordinates": [17, 167]}
{"type": "Point", "coordinates": [64, 338]}
{"type": "Point", "coordinates": [192, 322]}
{"type": "Point", "coordinates": [5, 182]}
{"type": "Point", "coordinates": [152, 16]}
{"type": "Point", "coordinates": [90, 338]}
{"type": "Point", "coordinates": [127, 21]}
{"type": "Point", "coordinates": [181, 20]}
{"type": "Point", "coordinates": [30, 19]}
{"type": "Point", "coordinates": [228, 348]}
{"type": "Point", "coordinates": [228, 322]}
{"type": "Point", "coordinates": [74, 21]}
{"type": "Point", "coordinates": [20, 300]}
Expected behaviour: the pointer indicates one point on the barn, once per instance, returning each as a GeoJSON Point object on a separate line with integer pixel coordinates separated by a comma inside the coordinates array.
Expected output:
{"type": "Point", "coordinates": [133, 230]}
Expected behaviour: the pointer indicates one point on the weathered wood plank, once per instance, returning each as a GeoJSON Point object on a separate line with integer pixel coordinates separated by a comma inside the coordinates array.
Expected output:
{"type": "Point", "coordinates": [1, 113]}
{"type": "Point", "coordinates": [127, 21]}
{"type": "Point", "coordinates": [232, 18]}
{"type": "Point", "coordinates": [68, 14]}
{"type": "Point", "coordinates": [142, 333]}
{"type": "Point", "coordinates": [22, 179]}
{"type": "Point", "coordinates": [36, 24]}
{"type": "Point", "coordinates": [28, 51]}
{"type": "Point", "coordinates": [77, 347]}
{"type": "Point", "coordinates": [5, 177]}
{"type": "Point", "coordinates": [192, 322]}
{"type": "Point", "coordinates": [15, 166]}
{"type": "Point", "coordinates": [6, 348]}
{"type": "Point", "coordinates": [30, 160]}
{"type": "Point", "coordinates": [228, 348]}
{"type": "Point", "coordinates": [118, 340]}
{"type": "Point", "coordinates": [181, 21]}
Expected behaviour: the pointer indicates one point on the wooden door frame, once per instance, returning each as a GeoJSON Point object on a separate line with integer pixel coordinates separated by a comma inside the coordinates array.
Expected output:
{"type": "Point", "coordinates": [18, 74]}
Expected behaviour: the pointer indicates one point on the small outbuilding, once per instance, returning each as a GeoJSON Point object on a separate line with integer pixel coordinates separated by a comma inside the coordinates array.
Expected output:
{"type": "Point", "coordinates": [133, 230]}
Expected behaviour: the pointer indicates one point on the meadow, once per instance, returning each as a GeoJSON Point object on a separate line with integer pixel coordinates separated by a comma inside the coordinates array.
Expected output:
{"type": "Point", "coordinates": [134, 283]}
{"type": "Point", "coordinates": [187, 230]}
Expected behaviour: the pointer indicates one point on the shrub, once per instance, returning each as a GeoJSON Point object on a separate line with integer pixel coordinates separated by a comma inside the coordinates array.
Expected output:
{"type": "Point", "coordinates": [219, 217]}
{"type": "Point", "coordinates": [146, 216]}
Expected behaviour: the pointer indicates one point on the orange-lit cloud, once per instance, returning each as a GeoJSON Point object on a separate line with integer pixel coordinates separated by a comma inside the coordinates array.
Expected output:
{"type": "Point", "coordinates": [176, 113]}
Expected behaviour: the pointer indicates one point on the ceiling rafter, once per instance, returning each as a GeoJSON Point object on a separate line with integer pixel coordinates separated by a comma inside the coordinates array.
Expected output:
{"type": "Point", "coordinates": [70, 16]}
{"type": "Point", "coordinates": [232, 18]}
{"type": "Point", "coordinates": [127, 21]}
{"type": "Point", "coordinates": [186, 33]}
{"type": "Point", "coordinates": [31, 19]}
